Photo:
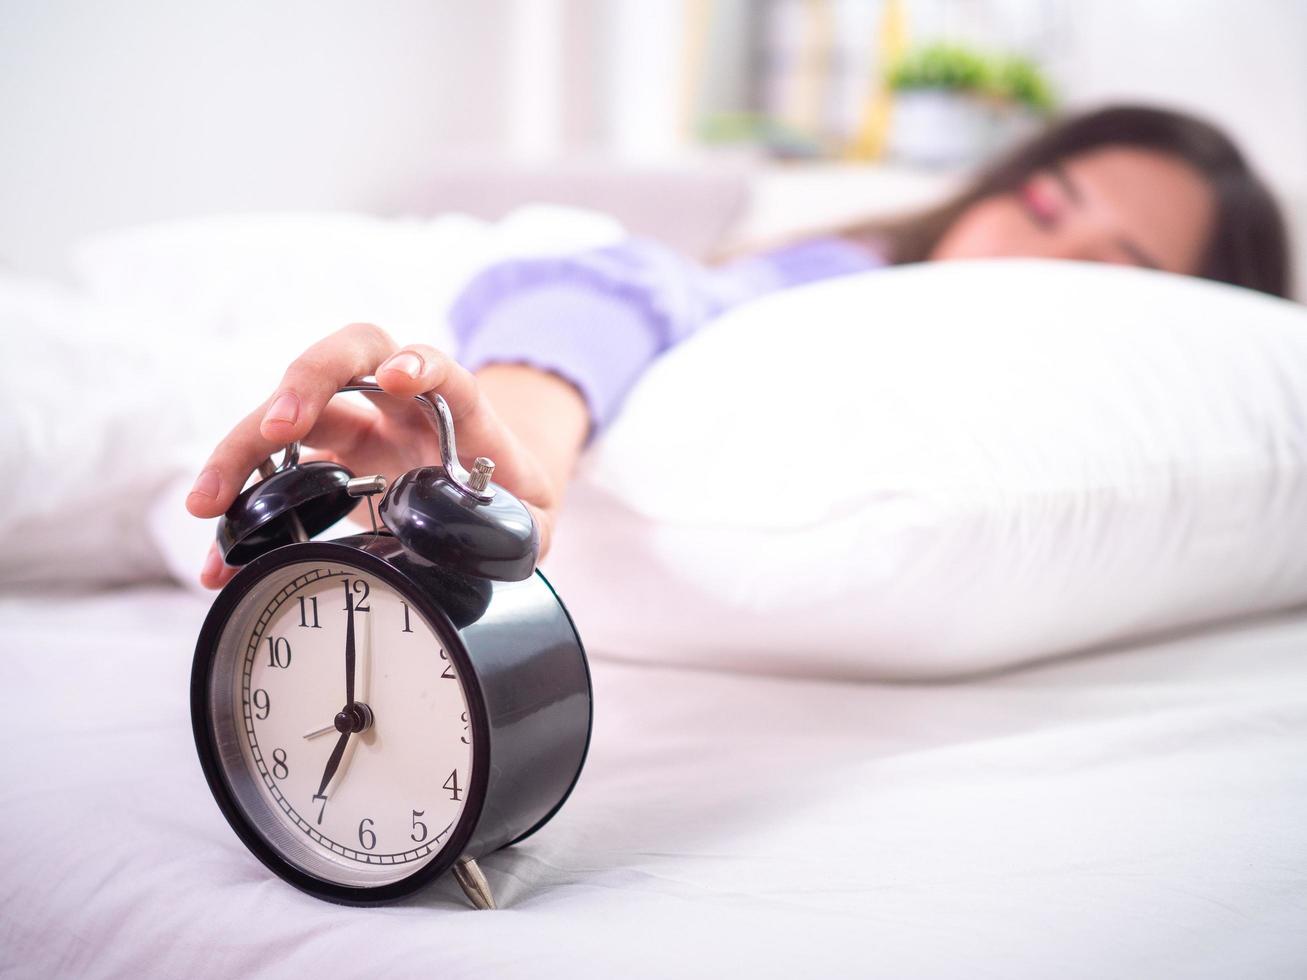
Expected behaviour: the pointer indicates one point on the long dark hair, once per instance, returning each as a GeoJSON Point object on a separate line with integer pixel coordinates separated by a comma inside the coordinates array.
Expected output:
{"type": "Point", "coordinates": [1248, 245]}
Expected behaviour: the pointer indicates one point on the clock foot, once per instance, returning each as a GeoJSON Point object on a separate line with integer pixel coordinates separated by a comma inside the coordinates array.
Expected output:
{"type": "Point", "coordinates": [474, 883]}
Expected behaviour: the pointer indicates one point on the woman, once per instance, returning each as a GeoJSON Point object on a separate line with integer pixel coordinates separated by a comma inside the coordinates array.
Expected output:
{"type": "Point", "coordinates": [556, 343]}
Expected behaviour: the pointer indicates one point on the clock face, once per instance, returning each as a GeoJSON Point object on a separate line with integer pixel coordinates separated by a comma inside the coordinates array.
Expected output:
{"type": "Point", "coordinates": [341, 723]}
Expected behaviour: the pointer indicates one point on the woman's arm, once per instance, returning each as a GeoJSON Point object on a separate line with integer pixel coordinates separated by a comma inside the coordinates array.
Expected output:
{"type": "Point", "coordinates": [599, 318]}
{"type": "Point", "coordinates": [549, 419]}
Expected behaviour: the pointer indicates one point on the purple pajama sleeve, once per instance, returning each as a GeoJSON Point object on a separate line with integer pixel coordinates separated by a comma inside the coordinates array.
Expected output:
{"type": "Point", "coordinates": [599, 318]}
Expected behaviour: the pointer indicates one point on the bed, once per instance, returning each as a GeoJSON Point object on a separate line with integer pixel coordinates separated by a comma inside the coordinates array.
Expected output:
{"type": "Point", "coordinates": [1138, 493]}
{"type": "Point", "coordinates": [1135, 811]}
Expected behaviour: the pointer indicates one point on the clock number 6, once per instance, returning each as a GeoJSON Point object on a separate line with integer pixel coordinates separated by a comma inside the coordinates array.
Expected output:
{"type": "Point", "coordinates": [367, 837]}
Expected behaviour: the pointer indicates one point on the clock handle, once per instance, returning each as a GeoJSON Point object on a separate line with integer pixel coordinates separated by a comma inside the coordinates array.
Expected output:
{"type": "Point", "coordinates": [475, 484]}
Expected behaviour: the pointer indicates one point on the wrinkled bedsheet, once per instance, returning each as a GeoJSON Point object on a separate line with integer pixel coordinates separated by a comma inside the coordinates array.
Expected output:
{"type": "Point", "coordinates": [1133, 812]}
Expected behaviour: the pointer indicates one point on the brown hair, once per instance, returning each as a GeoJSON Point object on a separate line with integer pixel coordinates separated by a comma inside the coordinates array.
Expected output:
{"type": "Point", "coordinates": [1248, 247]}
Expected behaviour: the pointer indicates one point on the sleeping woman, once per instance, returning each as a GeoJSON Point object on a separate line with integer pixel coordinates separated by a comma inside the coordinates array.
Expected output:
{"type": "Point", "coordinates": [548, 348]}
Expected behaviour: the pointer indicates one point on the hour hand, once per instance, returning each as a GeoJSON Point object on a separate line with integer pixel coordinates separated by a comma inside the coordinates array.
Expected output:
{"type": "Point", "coordinates": [333, 763]}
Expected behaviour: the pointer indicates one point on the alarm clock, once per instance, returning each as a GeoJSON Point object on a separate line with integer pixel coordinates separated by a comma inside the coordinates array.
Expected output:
{"type": "Point", "coordinates": [373, 711]}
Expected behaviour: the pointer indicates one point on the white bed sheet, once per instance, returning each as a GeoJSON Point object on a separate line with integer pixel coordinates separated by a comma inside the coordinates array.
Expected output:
{"type": "Point", "coordinates": [1127, 813]}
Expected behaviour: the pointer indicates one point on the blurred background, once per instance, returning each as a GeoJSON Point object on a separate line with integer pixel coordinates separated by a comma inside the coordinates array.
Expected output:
{"type": "Point", "coordinates": [709, 123]}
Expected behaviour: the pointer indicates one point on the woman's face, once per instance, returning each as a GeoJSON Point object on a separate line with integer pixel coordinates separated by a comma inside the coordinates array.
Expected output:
{"type": "Point", "coordinates": [1115, 204]}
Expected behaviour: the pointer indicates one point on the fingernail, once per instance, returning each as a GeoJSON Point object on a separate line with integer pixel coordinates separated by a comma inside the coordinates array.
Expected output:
{"type": "Point", "coordinates": [206, 484]}
{"type": "Point", "coordinates": [285, 408]}
{"type": "Point", "coordinates": [405, 361]}
{"type": "Point", "coordinates": [212, 564]}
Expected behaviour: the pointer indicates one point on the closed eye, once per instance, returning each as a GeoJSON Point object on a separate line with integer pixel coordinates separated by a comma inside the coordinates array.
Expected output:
{"type": "Point", "coordinates": [1141, 257]}
{"type": "Point", "coordinates": [1138, 255]}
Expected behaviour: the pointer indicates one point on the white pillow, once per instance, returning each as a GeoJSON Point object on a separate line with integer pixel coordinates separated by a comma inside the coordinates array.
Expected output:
{"type": "Point", "coordinates": [948, 468]}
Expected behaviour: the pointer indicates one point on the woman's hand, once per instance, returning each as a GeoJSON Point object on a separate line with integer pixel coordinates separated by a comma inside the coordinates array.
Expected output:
{"type": "Point", "coordinates": [398, 437]}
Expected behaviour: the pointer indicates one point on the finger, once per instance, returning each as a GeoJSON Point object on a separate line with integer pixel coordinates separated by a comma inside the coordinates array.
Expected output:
{"type": "Point", "coordinates": [289, 414]}
{"type": "Point", "coordinates": [215, 574]}
{"type": "Point", "coordinates": [349, 434]}
{"type": "Point", "coordinates": [230, 465]}
{"type": "Point", "coordinates": [314, 377]}
{"type": "Point", "coordinates": [342, 429]}
{"type": "Point", "coordinates": [419, 368]}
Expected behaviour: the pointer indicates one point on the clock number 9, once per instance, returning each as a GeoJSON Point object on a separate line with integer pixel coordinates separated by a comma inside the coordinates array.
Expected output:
{"type": "Point", "coordinates": [367, 837]}
{"type": "Point", "coordinates": [262, 703]}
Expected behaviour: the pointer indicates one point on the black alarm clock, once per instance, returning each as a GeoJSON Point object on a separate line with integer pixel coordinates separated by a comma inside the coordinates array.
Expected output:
{"type": "Point", "coordinates": [373, 711]}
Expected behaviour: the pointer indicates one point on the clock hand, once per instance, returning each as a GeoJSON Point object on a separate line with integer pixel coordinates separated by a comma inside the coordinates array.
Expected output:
{"type": "Point", "coordinates": [320, 731]}
{"type": "Point", "coordinates": [355, 718]}
{"type": "Point", "coordinates": [349, 651]}
{"type": "Point", "coordinates": [333, 763]}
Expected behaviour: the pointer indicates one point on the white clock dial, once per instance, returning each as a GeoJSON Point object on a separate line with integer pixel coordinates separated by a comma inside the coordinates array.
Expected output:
{"type": "Point", "coordinates": [370, 797]}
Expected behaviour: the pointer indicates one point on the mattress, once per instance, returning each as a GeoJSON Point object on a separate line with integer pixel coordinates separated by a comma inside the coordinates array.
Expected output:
{"type": "Point", "coordinates": [1132, 812]}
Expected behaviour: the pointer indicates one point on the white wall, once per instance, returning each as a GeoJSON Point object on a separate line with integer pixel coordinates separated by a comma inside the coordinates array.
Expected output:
{"type": "Point", "coordinates": [135, 110]}
{"type": "Point", "coordinates": [1243, 64]}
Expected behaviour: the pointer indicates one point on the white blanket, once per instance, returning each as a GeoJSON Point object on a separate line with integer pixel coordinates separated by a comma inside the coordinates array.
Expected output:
{"type": "Point", "coordinates": [1128, 813]}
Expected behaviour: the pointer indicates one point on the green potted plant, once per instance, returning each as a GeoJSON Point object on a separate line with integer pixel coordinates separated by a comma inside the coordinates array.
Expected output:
{"type": "Point", "coordinates": [954, 105]}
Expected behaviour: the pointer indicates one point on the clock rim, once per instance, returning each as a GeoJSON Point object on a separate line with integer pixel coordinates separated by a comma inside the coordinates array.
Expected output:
{"type": "Point", "coordinates": [201, 676]}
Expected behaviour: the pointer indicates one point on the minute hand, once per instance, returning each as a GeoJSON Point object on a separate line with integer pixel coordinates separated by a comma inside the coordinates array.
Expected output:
{"type": "Point", "coordinates": [349, 650]}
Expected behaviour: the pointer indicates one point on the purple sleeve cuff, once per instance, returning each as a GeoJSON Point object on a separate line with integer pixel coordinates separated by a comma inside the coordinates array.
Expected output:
{"type": "Point", "coordinates": [599, 342]}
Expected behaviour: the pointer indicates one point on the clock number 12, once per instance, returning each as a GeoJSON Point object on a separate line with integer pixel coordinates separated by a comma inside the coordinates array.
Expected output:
{"type": "Point", "coordinates": [361, 589]}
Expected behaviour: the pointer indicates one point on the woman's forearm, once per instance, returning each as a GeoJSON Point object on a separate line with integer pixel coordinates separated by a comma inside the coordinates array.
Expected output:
{"type": "Point", "coordinates": [546, 414]}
